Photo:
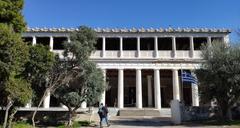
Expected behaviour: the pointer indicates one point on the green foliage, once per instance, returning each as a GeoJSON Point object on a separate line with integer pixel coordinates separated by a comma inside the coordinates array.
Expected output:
{"type": "Point", "coordinates": [220, 75]}
{"type": "Point", "coordinates": [84, 80]}
{"type": "Point", "coordinates": [13, 56]}
{"type": "Point", "coordinates": [18, 90]}
{"type": "Point", "coordinates": [13, 52]}
{"type": "Point", "coordinates": [11, 14]}
{"type": "Point", "coordinates": [37, 68]}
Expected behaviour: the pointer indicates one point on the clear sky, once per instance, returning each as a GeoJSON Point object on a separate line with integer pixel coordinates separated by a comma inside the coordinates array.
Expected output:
{"type": "Point", "coordinates": [134, 13]}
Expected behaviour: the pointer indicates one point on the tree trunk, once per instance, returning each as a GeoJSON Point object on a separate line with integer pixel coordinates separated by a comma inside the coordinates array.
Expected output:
{"type": "Point", "coordinates": [13, 112]}
{"type": "Point", "coordinates": [9, 105]}
{"type": "Point", "coordinates": [40, 103]}
{"type": "Point", "coordinates": [229, 114]}
{"type": "Point", "coordinates": [70, 116]}
{"type": "Point", "coordinates": [91, 113]}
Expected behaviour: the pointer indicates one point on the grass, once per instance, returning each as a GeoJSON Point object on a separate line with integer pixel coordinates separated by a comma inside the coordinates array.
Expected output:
{"type": "Point", "coordinates": [20, 125]}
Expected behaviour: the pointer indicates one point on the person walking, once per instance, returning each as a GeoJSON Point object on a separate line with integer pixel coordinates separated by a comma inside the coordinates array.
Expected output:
{"type": "Point", "coordinates": [103, 114]}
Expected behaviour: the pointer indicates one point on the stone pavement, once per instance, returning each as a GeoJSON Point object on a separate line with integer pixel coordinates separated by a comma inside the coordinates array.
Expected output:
{"type": "Point", "coordinates": [151, 122]}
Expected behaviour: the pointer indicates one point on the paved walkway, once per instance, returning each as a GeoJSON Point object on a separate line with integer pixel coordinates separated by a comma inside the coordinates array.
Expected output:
{"type": "Point", "coordinates": [151, 122]}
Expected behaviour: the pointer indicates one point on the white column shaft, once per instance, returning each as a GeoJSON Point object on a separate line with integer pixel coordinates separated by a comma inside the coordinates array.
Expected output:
{"type": "Point", "coordinates": [156, 46]}
{"type": "Point", "coordinates": [120, 88]}
{"type": "Point", "coordinates": [191, 47]}
{"type": "Point", "coordinates": [149, 85]}
{"type": "Point", "coordinates": [195, 96]}
{"type": "Point", "coordinates": [157, 91]}
{"type": "Point", "coordinates": [51, 43]}
{"type": "Point", "coordinates": [176, 88]}
{"type": "Point", "coordinates": [84, 104]}
{"type": "Point", "coordinates": [174, 47]}
{"type": "Point", "coordinates": [46, 102]}
{"type": "Point", "coordinates": [138, 47]}
{"type": "Point", "coordinates": [103, 46]}
{"type": "Point", "coordinates": [138, 88]}
{"type": "Point", "coordinates": [121, 47]}
{"type": "Point", "coordinates": [104, 92]}
{"type": "Point", "coordinates": [209, 42]}
{"type": "Point", "coordinates": [29, 104]}
{"type": "Point", "coordinates": [68, 39]}
{"type": "Point", "coordinates": [34, 42]}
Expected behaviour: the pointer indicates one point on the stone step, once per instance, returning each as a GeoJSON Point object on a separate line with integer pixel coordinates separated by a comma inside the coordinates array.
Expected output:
{"type": "Point", "coordinates": [144, 112]}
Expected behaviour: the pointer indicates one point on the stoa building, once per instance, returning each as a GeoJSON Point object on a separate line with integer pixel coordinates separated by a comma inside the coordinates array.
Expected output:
{"type": "Point", "coordinates": [141, 66]}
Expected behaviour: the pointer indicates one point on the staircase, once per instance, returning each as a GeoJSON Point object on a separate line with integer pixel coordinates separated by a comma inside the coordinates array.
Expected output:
{"type": "Point", "coordinates": [144, 112]}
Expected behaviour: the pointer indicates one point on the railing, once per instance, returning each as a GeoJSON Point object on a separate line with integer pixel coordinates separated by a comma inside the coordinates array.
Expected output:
{"type": "Point", "coordinates": [59, 52]}
{"type": "Point", "coordinates": [111, 54]}
{"type": "Point", "coordinates": [183, 54]}
{"type": "Point", "coordinates": [197, 54]}
{"type": "Point", "coordinates": [146, 54]}
{"type": "Point", "coordinates": [96, 54]}
{"type": "Point", "coordinates": [165, 54]}
{"type": "Point", "coordinates": [129, 54]}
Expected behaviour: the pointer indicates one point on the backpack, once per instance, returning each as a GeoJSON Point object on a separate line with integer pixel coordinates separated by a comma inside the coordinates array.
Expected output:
{"type": "Point", "coordinates": [100, 111]}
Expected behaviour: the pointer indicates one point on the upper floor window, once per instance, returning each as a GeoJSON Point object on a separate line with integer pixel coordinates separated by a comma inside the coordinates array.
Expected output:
{"type": "Point", "coordinates": [99, 43]}
{"type": "Point", "coordinates": [58, 43]}
{"type": "Point", "coordinates": [182, 43]}
{"type": "Point", "coordinates": [27, 40]}
{"type": "Point", "coordinates": [129, 43]}
{"type": "Point", "coordinates": [112, 43]}
{"type": "Point", "coordinates": [147, 43]}
{"type": "Point", "coordinates": [199, 42]}
{"type": "Point", "coordinates": [165, 43]}
{"type": "Point", "coordinates": [43, 40]}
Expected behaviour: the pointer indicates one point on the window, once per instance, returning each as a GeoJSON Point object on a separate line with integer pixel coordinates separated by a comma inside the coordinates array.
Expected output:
{"type": "Point", "coordinates": [27, 40]}
{"type": "Point", "coordinates": [165, 43]}
{"type": "Point", "coordinates": [43, 40]}
{"type": "Point", "coordinates": [183, 43]}
{"type": "Point", "coordinates": [129, 43]}
{"type": "Point", "coordinates": [58, 43]}
{"type": "Point", "coordinates": [199, 42]}
{"type": "Point", "coordinates": [147, 43]}
{"type": "Point", "coordinates": [99, 43]}
{"type": "Point", "coordinates": [112, 43]}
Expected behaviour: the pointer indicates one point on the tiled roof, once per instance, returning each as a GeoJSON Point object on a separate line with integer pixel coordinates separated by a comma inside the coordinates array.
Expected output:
{"type": "Point", "coordinates": [134, 30]}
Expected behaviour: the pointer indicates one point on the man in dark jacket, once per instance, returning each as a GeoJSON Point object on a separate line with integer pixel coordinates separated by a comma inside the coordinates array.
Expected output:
{"type": "Point", "coordinates": [103, 114]}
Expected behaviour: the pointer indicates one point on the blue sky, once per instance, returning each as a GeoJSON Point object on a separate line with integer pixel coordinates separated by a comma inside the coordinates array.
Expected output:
{"type": "Point", "coordinates": [134, 13]}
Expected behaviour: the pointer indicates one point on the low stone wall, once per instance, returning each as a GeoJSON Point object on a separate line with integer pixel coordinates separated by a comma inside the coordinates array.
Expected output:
{"type": "Point", "coordinates": [193, 113]}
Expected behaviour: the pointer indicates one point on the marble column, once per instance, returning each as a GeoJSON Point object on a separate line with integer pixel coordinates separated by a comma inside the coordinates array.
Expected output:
{"type": "Point", "coordinates": [103, 46]}
{"type": "Point", "coordinates": [156, 46]}
{"type": "Point", "coordinates": [195, 95]}
{"type": "Point", "coordinates": [138, 47]}
{"type": "Point", "coordinates": [51, 43]}
{"type": "Point", "coordinates": [149, 86]}
{"type": "Point", "coordinates": [46, 102]}
{"type": "Point", "coordinates": [138, 88]}
{"type": "Point", "coordinates": [209, 42]}
{"type": "Point", "coordinates": [157, 91]}
{"type": "Point", "coordinates": [176, 88]}
{"type": "Point", "coordinates": [29, 104]}
{"type": "Point", "coordinates": [34, 42]}
{"type": "Point", "coordinates": [104, 92]}
{"type": "Point", "coordinates": [174, 47]}
{"type": "Point", "coordinates": [191, 47]}
{"type": "Point", "coordinates": [121, 47]}
{"type": "Point", "coordinates": [84, 104]}
{"type": "Point", "coordinates": [120, 88]}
